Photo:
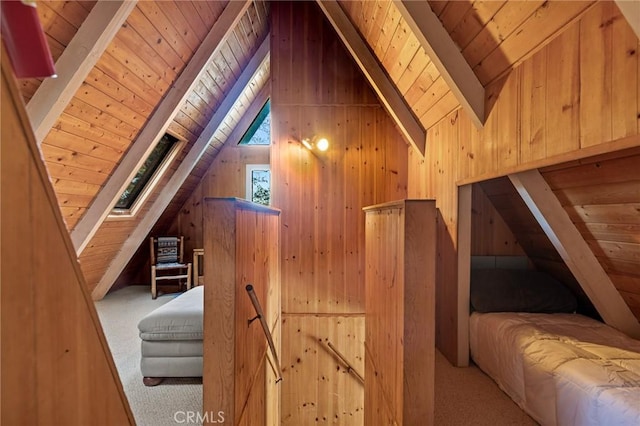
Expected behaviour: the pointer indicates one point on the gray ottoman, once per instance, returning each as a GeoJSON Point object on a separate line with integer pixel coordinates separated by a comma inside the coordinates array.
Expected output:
{"type": "Point", "coordinates": [172, 338]}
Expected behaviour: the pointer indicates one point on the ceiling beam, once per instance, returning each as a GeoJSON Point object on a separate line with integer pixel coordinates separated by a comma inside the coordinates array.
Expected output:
{"type": "Point", "coordinates": [387, 92]}
{"type": "Point", "coordinates": [156, 126]}
{"type": "Point", "coordinates": [140, 233]}
{"type": "Point", "coordinates": [75, 63]}
{"type": "Point", "coordinates": [446, 56]}
{"type": "Point", "coordinates": [631, 11]}
{"type": "Point", "coordinates": [575, 252]}
{"type": "Point", "coordinates": [249, 115]}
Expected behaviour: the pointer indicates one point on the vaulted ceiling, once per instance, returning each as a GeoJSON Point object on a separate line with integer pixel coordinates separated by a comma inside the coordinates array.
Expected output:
{"type": "Point", "coordinates": [193, 68]}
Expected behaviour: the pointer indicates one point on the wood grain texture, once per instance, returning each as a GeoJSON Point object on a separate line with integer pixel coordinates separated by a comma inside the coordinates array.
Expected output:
{"type": "Point", "coordinates": [241, 248]}
{"type": "Point", "coordinates": [55, 359]}
{"type": "Point", "coordinates": [602, 198]}
{"type": "Point", "coordinates": [317, 90]}
{"type": "Point", "coordinates": [400, 311]}
{"type": "Point", "coordinates": [315, 375]}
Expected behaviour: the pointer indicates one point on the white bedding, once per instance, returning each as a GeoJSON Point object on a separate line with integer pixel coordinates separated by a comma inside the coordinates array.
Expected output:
{"type": "Point", "coordinates": [562, 369]}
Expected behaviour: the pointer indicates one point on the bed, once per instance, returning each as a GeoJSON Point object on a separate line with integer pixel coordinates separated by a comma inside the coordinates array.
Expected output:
{"type": "Point", "coordinates": [172, 338]}
{"type": "Point", "coordinates": [560, 367]}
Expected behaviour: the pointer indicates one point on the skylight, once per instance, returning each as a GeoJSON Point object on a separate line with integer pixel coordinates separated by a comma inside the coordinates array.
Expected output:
{"type": "Point", "coordinates": [259, 133]}
{"type": "Point", "coordinates": [148, 172]}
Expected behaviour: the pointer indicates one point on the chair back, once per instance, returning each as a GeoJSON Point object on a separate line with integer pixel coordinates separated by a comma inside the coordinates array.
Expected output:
{"type": "Point", "coordinates": [166, 250]}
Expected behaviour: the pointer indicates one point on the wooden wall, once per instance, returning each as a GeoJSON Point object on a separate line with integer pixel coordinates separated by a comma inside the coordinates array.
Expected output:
{"type": "Point", "coordinates": [602, 197]}
{"type": "Point", "coordinates": [512, 210]}
{"type": "Point", "coordinates": [317, 90]}
{"type": "Point", "coordinates": [576, 97]}
{"type": "Point", "coordinates": [491, 235]}
{"type": "Point", "coordinates": [241, 247]}
{"type": "Point", "coordinates": [225, 178]}
{"type": "Point", "coordinates": [56, 364]}
{"type": "Point", "coordinates": [400, 319]}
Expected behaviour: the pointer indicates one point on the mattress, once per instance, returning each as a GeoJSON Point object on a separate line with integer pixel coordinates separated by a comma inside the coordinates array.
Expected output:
{"type": "Point", "coordinates": [562, 369]}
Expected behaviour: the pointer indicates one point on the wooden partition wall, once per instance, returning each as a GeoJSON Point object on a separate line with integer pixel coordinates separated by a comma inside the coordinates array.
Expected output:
{"type": "Point", "coordinates": [56, 365]}
{"type": "Point", "coordinates": [241, 246]}
{"type": "Point", "coordinates": [400, 320]}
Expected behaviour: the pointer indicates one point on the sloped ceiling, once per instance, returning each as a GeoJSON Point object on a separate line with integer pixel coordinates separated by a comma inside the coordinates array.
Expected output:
{"type": "Point", "coordinates": [601, 196]}
{"type": "Point", "coordinates": [140, 66]}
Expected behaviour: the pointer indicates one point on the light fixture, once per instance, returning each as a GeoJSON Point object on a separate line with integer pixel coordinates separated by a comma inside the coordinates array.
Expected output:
{"type": "Point", "coordinates": [322, 144]}
{"type": "Point", "coordinates": [315, 144]}
{"type": "Point", "coordinates": [307, 144]}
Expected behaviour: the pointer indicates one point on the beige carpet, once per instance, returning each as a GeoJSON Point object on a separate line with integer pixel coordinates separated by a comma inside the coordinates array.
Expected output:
{"type": "Point", "coordinates": [467, 396]}
{"type": "Point", "coordinates": [167, 404]}
{"type": "Point", "coordinates": [464, 396]}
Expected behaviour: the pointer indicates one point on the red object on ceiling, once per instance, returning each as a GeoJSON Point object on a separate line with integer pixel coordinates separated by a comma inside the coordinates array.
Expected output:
{"type": "Point", "coordinates": [25, 41]}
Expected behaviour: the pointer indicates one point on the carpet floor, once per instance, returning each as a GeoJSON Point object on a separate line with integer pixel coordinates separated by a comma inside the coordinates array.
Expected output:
{"type": "Point", "coordinates": [167, 404]}
{"type": "Point", "coordinates": [463, 396]}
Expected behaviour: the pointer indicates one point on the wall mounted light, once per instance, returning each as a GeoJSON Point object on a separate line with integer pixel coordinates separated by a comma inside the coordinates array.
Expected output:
{"type": "Point", "coordinates": [315, 144]}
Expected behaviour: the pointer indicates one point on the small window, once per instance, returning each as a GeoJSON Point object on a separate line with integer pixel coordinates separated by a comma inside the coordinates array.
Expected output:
{"type": "Point", "coordinates": [259, 183]}
{"type": "Point", "coordinates": [148, 174]}
{"type": "Point", "coordinates": [259, 133]}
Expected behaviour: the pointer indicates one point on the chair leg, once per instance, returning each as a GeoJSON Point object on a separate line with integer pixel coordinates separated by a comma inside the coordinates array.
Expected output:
{"type": "Point", "coordinates": [189, 280]}
{"type": "Point", "coordinates": [153, 282]}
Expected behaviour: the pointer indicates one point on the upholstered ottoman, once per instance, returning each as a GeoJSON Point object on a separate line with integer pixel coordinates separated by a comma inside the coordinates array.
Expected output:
{"type": "Point", "coordinates": [172, 338]}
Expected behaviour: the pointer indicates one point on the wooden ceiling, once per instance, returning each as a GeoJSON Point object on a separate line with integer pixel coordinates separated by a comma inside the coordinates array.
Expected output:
{"type": "Point", "coordinates": [493, 36]}
{"type": "Point", "coordinates": [141, 66]}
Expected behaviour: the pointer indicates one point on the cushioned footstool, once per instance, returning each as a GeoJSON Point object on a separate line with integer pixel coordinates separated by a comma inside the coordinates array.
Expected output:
{"type": "Point", "coordinates": [172, 338]}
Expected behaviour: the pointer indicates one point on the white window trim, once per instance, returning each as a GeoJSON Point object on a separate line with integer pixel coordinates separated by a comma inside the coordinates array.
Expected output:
{"type": "Point", "coordinates": [248, 181]}
{"type": "Point", "coordinates": [149, 187]}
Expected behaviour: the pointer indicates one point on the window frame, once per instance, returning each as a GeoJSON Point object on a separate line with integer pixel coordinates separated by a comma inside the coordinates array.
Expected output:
{"type": "Point", "coordinates": [254, 126]}
{"type": "Point", "coordinates": [131, 212]}
{"type": "Point", "coordinates": [250, 168]}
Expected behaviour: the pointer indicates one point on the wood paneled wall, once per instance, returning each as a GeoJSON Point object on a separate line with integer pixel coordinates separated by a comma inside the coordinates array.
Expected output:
{"type": "Point", "coordinates": [242, 246]}
{"type": "Point", "coordinates": [510, 207]}
{"type": "Point", "coordinates": [602, 197]}
{"type": "Point", "coordinates": [400, 318]}
{"type": "Point", "coordinates": [225, 178]}
{"type": "Point", "coordinates": [56, 364]}
{"type": "Point", "coordinates": [317, 90]}
{"type": "Point", "coordinates": [555, 107]}
{"type": "Point", "coordinates": [491, 235]}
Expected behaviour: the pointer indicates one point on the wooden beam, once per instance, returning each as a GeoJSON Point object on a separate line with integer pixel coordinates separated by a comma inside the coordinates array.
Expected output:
{"type": "Point", "coordinates": [140, 233]}
{"type": "Point", "coordinates": [575, 252]}
{"type": "Point", "coordinates": [156, 126]}
{"type": "Point", "coordinates": [249, 115]}
{"type": "Point", "coordinates": [464, 271]}
{"type": "Point", "coordinates": [631, 11]}
{"type": "Point", "coordinates": [75, 63]}
{"type": "Point", "coordinates": [446, 56]}
{"type": "Point", "coordinates": [388, 94]}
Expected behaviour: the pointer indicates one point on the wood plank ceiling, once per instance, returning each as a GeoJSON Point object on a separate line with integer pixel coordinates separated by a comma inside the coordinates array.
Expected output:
{"type": "Point", "coordinates": [149, 52]}
{"type": "Point", "coordinates": [120, 94]}
{"type": "Point", "coordinates": [493, 36]}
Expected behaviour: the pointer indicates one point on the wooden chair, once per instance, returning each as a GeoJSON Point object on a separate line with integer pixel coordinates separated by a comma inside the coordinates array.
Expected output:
{"type": "Point", "coordinates": [167, 262]}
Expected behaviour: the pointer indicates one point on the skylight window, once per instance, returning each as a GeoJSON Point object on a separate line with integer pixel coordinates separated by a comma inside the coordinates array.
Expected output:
{"type": "Point", "coordinates": [147, 176]}
{"type": "Point", "coordinates": [259, 133]}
